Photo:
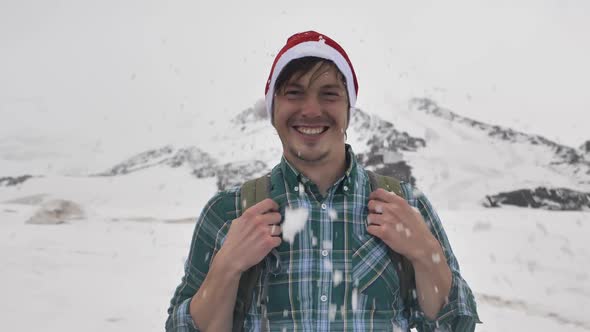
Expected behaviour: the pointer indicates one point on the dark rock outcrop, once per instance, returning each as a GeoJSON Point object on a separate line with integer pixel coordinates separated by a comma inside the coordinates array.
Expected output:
{"type": "Point", "coordinates": [386, 146]}
{"type": "Point", "coordinates": [13, 181]}
{"type": "Point", "coordinates": [233, 174]}
{"type": "Point", "coordinates": [200, 163]}
{"type": "Point", "coordinates": [542, 198]}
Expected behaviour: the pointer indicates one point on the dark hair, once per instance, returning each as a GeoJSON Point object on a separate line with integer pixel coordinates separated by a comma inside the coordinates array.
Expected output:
{"type": "Point", "coordinates": [299, 67]}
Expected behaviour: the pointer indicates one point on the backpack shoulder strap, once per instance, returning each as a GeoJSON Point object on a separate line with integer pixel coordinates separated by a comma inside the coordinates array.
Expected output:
{"type": "Point", "coordinates": [254, 191]}
{"type": "Point", "coordinates": [251, 193]}
{"type": "Point", "coordinates": [385, 182]}
{"type": "Point", "coordinates": [405, 270]}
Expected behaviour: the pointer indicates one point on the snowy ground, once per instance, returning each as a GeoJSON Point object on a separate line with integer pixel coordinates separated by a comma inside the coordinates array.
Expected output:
{"type": "Point", "coordinates": [116, 269]}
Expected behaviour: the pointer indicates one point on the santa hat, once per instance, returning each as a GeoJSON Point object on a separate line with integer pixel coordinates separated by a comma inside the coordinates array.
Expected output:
{"type": "Point", "coordinates": [311, 43]}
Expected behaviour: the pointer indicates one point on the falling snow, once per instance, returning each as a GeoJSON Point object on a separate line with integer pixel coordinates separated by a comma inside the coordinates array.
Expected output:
{"type": "Point", "coordinates": [328, 264]}
{"type": "Point", "coordinates": [379, 209]}
{"type": "Point", "coordinates": [294, 223]}
{"type": "Point", "coordinates": [417, 192]}
{"type": "Point", "coordinates": [337, 277]}
{"type": "Point", "coordinates": [332, 311]}
{"type": "Point", "coordinates": [333, 214]}
{"type": "Point", "coordinates": [436, 258]}
{"type": "Point", "coordinates": [408, 232]}
{"type": "Point", "coordinates": [354, 301]}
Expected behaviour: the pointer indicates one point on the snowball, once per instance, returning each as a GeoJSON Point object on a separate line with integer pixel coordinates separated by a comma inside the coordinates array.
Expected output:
{"type": "Point", "coordinates": [294, 223]}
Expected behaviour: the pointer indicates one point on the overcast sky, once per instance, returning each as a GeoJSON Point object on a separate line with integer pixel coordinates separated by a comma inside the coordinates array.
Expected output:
{"type": "Point", "coordinates": [91, 68]}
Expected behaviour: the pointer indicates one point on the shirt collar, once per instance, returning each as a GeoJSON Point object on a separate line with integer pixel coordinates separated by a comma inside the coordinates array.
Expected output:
{"type": "Point", "coordinates": [293, 177]}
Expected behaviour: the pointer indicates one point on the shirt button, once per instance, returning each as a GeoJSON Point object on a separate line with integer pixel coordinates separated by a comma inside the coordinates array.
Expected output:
{"type": "Point", "coordinates": [296, 188]}
{"type": "Point", "coordinates": [324, 206]}
{"type": "Point", "coordinates": [324, 252]}
{"type": "Point", "coordinates": [324, 298]}
{"type": "Point", "coordinates": [345, 188]}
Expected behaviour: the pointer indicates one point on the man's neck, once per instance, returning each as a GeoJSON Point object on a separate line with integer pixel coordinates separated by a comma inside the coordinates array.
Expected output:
{"type": "Point", "coordinates": [323, 173]}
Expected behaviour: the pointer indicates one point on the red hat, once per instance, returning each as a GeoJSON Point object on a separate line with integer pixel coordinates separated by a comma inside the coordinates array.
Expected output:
{"type": "Point", "coordinates": [311, 43]}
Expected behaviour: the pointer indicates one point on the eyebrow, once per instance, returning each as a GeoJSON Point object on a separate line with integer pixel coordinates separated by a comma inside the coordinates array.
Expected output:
{"type": "Point", "coordinates": [294, 85]}
{"type": "Point", "coordinates": [331, 86]}
{"type": "Point", "coordinates": [327, 86]}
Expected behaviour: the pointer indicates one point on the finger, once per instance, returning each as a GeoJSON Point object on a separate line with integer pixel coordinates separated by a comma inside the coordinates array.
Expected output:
{"type": "Point", "coordinates": [270, 218]}
{"type": "Point", "coordinates": [375, 230]}
{"type": "Point", "coordinates": [267, 205]}
{"type": "Point", "coordinates": [375, 219]}
{"type": "Point", "coordinates": [385, 196]}
{"type": "Point", "coordinates": [376, 206]}
{"type": "Point", "coordinates": [275, 230]}
{"type": "Point", "coordinates": [275, 241]}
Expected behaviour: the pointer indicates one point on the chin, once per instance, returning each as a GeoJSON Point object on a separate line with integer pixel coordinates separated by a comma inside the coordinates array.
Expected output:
{"type": "Point", "coordinates": [309, 154]}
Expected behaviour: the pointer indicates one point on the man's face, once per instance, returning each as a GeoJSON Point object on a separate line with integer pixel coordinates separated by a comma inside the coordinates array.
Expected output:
{"type": "Point", "coordinates": [310, 114]}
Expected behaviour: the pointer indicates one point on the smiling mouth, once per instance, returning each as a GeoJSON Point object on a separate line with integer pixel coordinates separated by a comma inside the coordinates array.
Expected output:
{"type": "Point", "coordinates": [310, 130]}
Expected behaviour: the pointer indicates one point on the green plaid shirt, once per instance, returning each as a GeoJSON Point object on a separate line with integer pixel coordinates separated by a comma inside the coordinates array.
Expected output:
{"type": "Point", "coordinates": [335, 275]}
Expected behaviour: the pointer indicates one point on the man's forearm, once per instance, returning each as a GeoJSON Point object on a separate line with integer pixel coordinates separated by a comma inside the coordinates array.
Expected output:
{"type": "Point", "coordinates": [212, 307]}
{"type": "Point", "coordinates": [433, 281]}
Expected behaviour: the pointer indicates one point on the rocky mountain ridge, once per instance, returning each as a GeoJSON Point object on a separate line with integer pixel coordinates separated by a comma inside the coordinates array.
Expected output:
{"type": "Point", "coordinates": [562, 155]}
{"type": "Point", "coordinates": [383, 148]}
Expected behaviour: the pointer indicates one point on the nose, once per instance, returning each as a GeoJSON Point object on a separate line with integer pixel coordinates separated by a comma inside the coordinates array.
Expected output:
{"type": "Point", "coordinates": [311, 107]}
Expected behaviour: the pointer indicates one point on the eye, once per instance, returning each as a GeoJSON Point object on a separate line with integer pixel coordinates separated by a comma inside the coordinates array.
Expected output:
{"type": "Point", "coordinates": [293, 93]}
{"type": "Point", "coordinates": [331, 95]}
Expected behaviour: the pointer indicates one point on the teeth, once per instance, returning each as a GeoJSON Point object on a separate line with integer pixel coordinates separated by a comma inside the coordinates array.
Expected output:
{"type": "Point", "coordinates": [310, 131]}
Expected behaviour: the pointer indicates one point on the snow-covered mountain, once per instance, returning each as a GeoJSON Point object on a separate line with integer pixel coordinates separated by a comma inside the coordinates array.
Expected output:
{"type": "Point", "coordinates": [133, 219]}
{"type": "Point", "coordinates": [457, 160]}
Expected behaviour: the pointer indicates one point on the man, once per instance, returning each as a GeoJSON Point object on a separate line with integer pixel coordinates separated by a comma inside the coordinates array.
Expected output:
{"type": "Point", "coordinates": [335, 274]}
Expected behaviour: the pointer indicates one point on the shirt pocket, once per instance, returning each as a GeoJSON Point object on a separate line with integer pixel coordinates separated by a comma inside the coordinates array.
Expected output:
{"type": "Point", "coordinates": [374, 276]}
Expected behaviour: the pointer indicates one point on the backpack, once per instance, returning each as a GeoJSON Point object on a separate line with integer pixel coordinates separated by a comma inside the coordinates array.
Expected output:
{"type": "Point", "coordinates": [256, 190]}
